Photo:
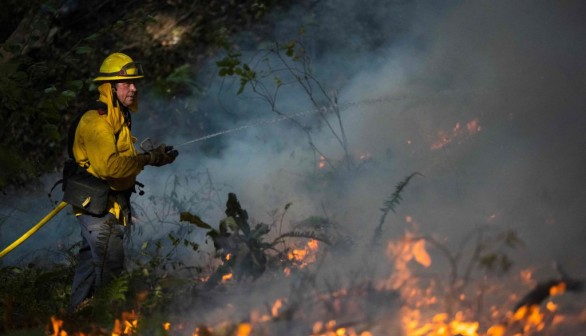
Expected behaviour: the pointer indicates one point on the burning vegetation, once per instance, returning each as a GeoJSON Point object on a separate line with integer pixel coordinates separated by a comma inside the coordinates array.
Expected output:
{"type": "Point", "coordinates": [457, 133]}
{"type": "Point", "coordinates": [245, 277]}
{"type": "Point", "coordinates": [410, 285]}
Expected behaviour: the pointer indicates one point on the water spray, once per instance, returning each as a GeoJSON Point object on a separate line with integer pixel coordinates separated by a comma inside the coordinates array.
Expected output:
{"type": "Point", "coordinates": [282, 117]}
{"type": "Point", "coordinates": [147, 144]}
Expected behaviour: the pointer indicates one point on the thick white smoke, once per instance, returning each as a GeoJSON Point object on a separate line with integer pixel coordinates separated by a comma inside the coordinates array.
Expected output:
{"type": "Point", "coordinates": [495, 86]}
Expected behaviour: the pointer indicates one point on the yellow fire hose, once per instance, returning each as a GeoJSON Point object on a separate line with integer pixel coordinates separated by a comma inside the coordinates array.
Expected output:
{"type": "Point", "coordinates": [33, 229]}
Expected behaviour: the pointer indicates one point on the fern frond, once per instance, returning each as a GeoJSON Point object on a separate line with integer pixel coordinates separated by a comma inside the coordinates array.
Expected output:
{"type": "Point", "coordinates": [110, 297]}
{"type": "Point", "coordinates": [302, 234]}
{"type": "Point", "coordinates": [391, 203]}
{"type": "Point", "coordinates": [116, 289]}
{"type": "Point", "coordinates": [194, 219]}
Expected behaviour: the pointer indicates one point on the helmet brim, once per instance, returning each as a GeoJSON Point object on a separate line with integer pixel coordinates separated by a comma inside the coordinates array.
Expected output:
{"type": "Point", "coordinates": [115, 78]}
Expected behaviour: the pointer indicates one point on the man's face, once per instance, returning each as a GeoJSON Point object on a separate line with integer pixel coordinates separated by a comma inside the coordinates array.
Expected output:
{"type": "Point", "coordinates": [126, 93]}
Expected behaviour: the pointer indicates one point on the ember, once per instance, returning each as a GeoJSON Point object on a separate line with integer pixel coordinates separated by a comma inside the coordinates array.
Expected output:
{"type": "Point", "coordinates": [410, 301]}
{"type": "Point", "coordinates": [227, 277]}
{"type": "Point", "coordinates": [330, 329]}
{"type": "Point", "coordinates": [304, 256]}
{"type": "Point", "coordinates": [322, 162]}
{"type": "Point", "coordinates": [444, 138]}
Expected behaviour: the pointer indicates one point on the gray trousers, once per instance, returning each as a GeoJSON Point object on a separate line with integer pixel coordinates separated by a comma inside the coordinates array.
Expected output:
{"type": "Point", "coordinates": [100, 258]}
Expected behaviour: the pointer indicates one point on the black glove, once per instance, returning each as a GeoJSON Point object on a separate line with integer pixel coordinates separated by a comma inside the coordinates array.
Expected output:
{"type": "Point", "coordinates": [161, 155]}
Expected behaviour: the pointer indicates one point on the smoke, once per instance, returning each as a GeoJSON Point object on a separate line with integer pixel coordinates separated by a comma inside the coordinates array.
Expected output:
{"type": "Point", "coordinates": [496, 86]}
{"type": "Point", "coordinates": [481, 98]}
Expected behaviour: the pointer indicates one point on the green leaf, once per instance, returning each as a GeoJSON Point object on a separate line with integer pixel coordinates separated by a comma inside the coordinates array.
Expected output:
{"type": "Point", "coordinates": [68, 94]}
{"type": "Point", "coordinates": [50, 89]}
{"type": "Point", "coordinates": [83, 50]}
{"type": "Point", "coordinates": [92, 37]}
{"type": "Point", "coordinates": [179, 74]}
{"type": "Point", "coordinates": [75, 85]}
{"type": "Point", "coordinates": [194, 219]}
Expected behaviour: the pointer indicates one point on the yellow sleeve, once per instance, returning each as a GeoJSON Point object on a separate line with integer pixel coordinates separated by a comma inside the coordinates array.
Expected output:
{"type": "Point", "coordinates": [100, 145]}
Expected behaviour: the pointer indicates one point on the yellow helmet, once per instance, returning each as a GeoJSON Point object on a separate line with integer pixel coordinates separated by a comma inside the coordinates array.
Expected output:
{"type": "Point", "coordinates": [119, 66]}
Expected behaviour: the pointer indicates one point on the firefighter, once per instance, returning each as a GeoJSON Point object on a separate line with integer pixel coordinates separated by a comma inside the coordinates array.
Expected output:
{"type": "Point", "coordinates": [104, 146]}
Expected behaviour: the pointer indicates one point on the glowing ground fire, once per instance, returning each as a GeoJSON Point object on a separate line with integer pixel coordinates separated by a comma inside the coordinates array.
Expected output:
{"type": "Point", "coordinates": [444, 137]}
{"type": "Point", "coordinates": [425, 308]}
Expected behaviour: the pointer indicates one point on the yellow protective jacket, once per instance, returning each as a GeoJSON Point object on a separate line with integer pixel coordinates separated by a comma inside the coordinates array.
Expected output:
{"type": "Point", "coordinates": [103, 143]}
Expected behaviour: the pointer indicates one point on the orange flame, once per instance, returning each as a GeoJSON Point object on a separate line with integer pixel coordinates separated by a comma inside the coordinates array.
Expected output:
{"type": "Point", "coordinates": [244, 329]}
{"type": "Point", "coordinates": [330, 329]}
{"type": "Point", "coordinates": [117, 330]}
{"type": "Point", "coordinates": [496, 330]}
{"type": "Point", "coordinates": [439, 325]}
{"type": "Point", "coordinates": [551, 306]}
{"type": "Point", "coordinates": [199, 331]}
{"type": "Point", "coordinates": [557, 289]}
{"type": "Point", "coordinates": [297, 254]}
{"type": "Point", "coordinates": [532, 316]}
{"type": "Point", "coordinates": [444, 138]}
{"type": "Point", "coordinates": [414, 320]}
{"type": "Point", "coordinates": [421, 255]}
{"type": "Point", "coordinates": [130, 322]}
{"type": "Point", "coordinates": [302, 257]}
{"type": "Point", "coordinates": [408, 250]}
{"type": "Point", "coordinates": [312, 244]}
{"type": "Point", "coordinates": [57, 327]}
{"type": "Point", "coordinates": [276, 306]}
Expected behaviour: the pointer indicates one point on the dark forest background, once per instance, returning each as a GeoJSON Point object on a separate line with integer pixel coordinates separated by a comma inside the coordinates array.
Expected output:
{"type": "Point", "coordinates": [51, 50]}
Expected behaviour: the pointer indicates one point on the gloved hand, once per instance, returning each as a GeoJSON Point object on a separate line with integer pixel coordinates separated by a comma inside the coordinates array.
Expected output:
{"type": "Point", "coordinates": [160, 155]}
